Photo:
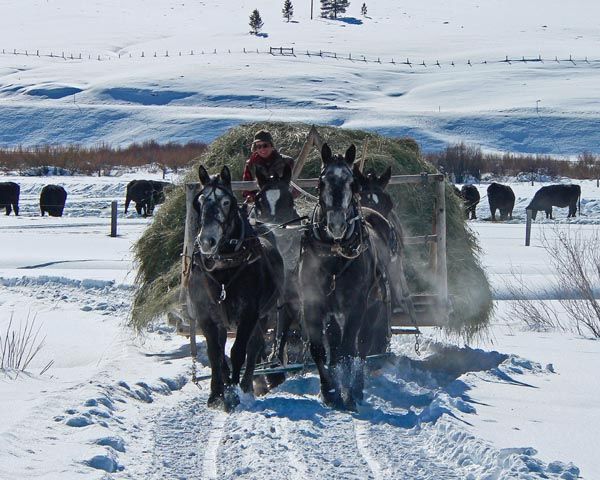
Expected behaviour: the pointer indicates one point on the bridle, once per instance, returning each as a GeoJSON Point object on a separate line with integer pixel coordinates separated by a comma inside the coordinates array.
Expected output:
{"type": "Point", "coordinates": [228, 224]}
{"type": "Point", "coordinates": [353, 244]}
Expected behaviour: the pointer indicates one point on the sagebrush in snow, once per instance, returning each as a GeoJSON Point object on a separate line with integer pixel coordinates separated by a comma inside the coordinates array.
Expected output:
{"type": "Point", "coordinates": [19, 346]}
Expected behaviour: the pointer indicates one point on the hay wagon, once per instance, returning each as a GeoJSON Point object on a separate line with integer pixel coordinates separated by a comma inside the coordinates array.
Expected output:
{"type": "Point", "coordinates": [431, 308]}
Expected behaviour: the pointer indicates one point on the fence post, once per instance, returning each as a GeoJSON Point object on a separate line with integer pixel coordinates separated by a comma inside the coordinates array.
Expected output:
{"type": "Point", "coordinates": [113, 218]}
{"type": "Point", "coordinates": [440, 214]}
{"type": "Point", "coordinates": [528, 228]}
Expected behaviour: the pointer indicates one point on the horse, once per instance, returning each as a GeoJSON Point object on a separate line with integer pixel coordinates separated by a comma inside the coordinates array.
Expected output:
{"type": "Point", "coordinates": [234, 283]}
{"type": "Point", "coordinates": [338, 270]}
{"type": "Point", "coordinates": [378, 209]}
{"type": "Point", "coordinates": [274, 208]}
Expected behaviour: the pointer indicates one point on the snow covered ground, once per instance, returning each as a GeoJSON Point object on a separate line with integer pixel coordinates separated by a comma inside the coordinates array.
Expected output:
{"type": "Point", "coordinates": [169, 70]}
{"type": "Point", "coordinates": [517, 404]}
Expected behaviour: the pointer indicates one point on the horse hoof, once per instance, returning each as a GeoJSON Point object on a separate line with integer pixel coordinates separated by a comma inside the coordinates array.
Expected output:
{"type": "Point", "coordinates": [333, 399]}
{"type": "Point", "coordinates": [231, 399]}
{"type": "Point", "coordinates": [216, 401]}
{"type": "Point", "coordinates": [350, 404]}
{"type": "Point", "coordinates": [275, 379]}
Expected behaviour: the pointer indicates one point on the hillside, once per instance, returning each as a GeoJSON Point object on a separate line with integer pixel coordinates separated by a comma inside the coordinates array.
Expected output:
{"type": "Point", "coordinates": [114, 94]}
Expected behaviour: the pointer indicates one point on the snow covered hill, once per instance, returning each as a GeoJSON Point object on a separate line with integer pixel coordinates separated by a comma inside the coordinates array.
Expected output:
{"type": "Point", "coordinates": [181, 71]}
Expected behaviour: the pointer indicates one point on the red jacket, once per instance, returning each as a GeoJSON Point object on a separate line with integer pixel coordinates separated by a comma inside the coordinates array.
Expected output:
{"type": "Point", "coordinates": [273, 163]}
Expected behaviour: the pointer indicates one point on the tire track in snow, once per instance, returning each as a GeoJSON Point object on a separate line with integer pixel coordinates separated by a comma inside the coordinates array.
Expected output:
{"type": "Point", "coordinates": [186, 438]}
{"type": "Point", "coordinates": [327, 442]}
{"type": "Point", "coordinates": [209, 462]}
{"type": "Point", "coordinates": [363, 441]}
{"type": "Point", "coordinates": [412, 455]}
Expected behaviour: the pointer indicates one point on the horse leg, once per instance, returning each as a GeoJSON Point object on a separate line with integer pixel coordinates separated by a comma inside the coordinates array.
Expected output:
{"type": "Point", "coordinates": [216, 398]}
{"type": "Point", "coordinates": [284, 321]}
{"type": "Point", "coordinates": [238, 350]}
{"type": "Point", "coordinates": [329, 391]}
{"type": "Point", "coordinates": [352, 370]}
{"type": "Point", "coordinates": [225, 364]}
{"type": "Point", "coordinates": [256, 345]}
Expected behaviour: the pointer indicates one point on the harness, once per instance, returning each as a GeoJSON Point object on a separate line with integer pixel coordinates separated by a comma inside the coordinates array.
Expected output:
{"type": "Point", "coordinates": [247, 251]}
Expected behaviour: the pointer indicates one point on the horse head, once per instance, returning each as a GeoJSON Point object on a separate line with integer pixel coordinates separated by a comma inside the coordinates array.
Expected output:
{"type": "Point", "coordinates": [337, 189]}
{"type": "Point", "coordinates": [372, 190]}
{"type": "Point", "coordinates": [274, 202]}
{"type": "Point", "coordinates": [217, 210]}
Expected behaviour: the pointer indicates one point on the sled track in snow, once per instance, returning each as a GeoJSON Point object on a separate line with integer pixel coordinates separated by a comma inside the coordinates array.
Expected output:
{"type": "Point", "coordinates": [291, 435]}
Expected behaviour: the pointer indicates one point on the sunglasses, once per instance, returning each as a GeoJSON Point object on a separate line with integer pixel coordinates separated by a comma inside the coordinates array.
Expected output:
{"type": "Point", "coordinates": [260, 146]}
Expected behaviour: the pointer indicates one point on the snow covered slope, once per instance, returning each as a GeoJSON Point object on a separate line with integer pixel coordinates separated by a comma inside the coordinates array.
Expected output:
{"type": "Point", "coordinates": [200, 72]}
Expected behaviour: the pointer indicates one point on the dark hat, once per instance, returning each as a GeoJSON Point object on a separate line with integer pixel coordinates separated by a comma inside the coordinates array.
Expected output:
{"type": "Point", "coordinates": [263, 136]}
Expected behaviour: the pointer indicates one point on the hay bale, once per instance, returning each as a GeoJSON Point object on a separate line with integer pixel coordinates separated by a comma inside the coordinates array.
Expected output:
{"type": "Point", "coordinates": [158, 251]}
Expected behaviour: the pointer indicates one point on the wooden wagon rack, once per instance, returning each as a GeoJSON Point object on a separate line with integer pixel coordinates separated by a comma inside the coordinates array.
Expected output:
{"type": "Point", "coordinates": [432, 309]}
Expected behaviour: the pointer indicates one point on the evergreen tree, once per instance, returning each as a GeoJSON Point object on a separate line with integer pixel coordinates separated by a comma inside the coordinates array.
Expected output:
{"type": "Point", "coordinates": [288, 9]}
{"type": "Point", "coordinates": [332, 8]}
{"type": "Point", "coordinates": [363, 9]}
{"type": "Point", "coordinates": [256, 22]}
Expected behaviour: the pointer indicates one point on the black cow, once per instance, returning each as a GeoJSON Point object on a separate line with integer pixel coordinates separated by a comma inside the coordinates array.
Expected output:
{"type": "Point", "coordinates": [501, 197]}
{"type": "Point", "coordinates": [9, 197]}
{"type": "Point", "coordinates": [52, 200]}
{"type": "Point", "coordinates": [146, 194]}
{"type": "Point", "coordinates": [556, 195]}
{"type": "Point", "coordinates": [471, 197]}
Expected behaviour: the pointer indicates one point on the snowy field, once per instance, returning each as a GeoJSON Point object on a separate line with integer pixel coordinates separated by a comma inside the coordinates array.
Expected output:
{"type": "Point", "coordinates": [517, 404]}
{"type": "Point", "coordinates": [168, 70]}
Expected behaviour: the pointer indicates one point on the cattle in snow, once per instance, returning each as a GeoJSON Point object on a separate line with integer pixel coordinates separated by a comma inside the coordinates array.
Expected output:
{"type": "Point", "coordinates": [9, 197]}
{"type": "Point", "coordinates": [501, 197]}
{"type": "Point", "coordinates": [52, 200]}
{"type": "Point", "coordinates": [146, 194]}
{"type": "Point", "coordinates": [471, 197]}
{"type": "Point", "coordinates": [558, 196]}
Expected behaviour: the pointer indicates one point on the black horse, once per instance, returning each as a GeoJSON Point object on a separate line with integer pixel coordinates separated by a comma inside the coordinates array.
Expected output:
{"type": "Point", "coordinates": [274, 209]}
{"type": "Point", "coordinates": [234, 284]}
{"type": "Point", "coordinates": [337, 273]}
{"type": "Point", "coordinates": [393, 292]}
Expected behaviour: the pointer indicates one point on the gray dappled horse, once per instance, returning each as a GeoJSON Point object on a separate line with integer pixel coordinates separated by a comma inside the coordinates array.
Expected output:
{"type": "Point", "coordinates": [234, 284]}
{"type": "Point", "coordinates": [338, 272]}
{"type": "Point", "coordinates": [378, 209]}
{"type": "Point", "coordinates": [274, 208]}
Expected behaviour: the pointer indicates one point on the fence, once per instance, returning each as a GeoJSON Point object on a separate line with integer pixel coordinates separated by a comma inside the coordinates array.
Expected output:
{"type": "Point", "coordinates": [291, 52]}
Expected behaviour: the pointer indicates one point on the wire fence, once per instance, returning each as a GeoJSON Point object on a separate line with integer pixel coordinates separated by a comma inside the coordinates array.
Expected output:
{"type": "Point", "coordinates": [295, 53]}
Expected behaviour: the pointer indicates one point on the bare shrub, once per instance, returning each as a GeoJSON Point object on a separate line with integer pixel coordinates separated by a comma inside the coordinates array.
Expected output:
{"type": "Point", "coordinates": [19, 346]}
{"type": "Point", "coordinates": [100, 159]}
{"type": "Point", "coordinates": [577, 263]}
{"type": "Point", "coordinates": [530, 305]}
{"type": "Point", "coordinates": [461, 159]}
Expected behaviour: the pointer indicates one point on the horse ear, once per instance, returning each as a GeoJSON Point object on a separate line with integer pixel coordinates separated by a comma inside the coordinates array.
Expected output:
{"type": "Point", "coordinates": [203, 175]}
{"type": "Point", "coordinates": [350, 154]}
{"type": "Point", "coordinates": [325, 153]}
{"type": "Point", "coordinates": [358, 175]}
{"type": "Point", "coordinates": [385, 178]}
{"type": "Point", "coordinates": [226, 176]}
{"type": "Point", "coordinates": [262, 176]}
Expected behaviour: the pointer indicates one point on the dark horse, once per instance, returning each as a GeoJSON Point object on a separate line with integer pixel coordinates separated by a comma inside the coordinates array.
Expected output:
{"type": "Point", "coordinates": [234, 284]}
{"type": "Point", "coordinates": [393, 292]}
{"type": "Point", "coordinates": [274, 208]}
{"type": "Point", "coordinates": [337, 273]}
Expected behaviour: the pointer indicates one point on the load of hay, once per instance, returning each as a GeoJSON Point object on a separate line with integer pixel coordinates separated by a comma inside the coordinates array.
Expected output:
{"type": "Point", "coordinates": [158, 251]}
